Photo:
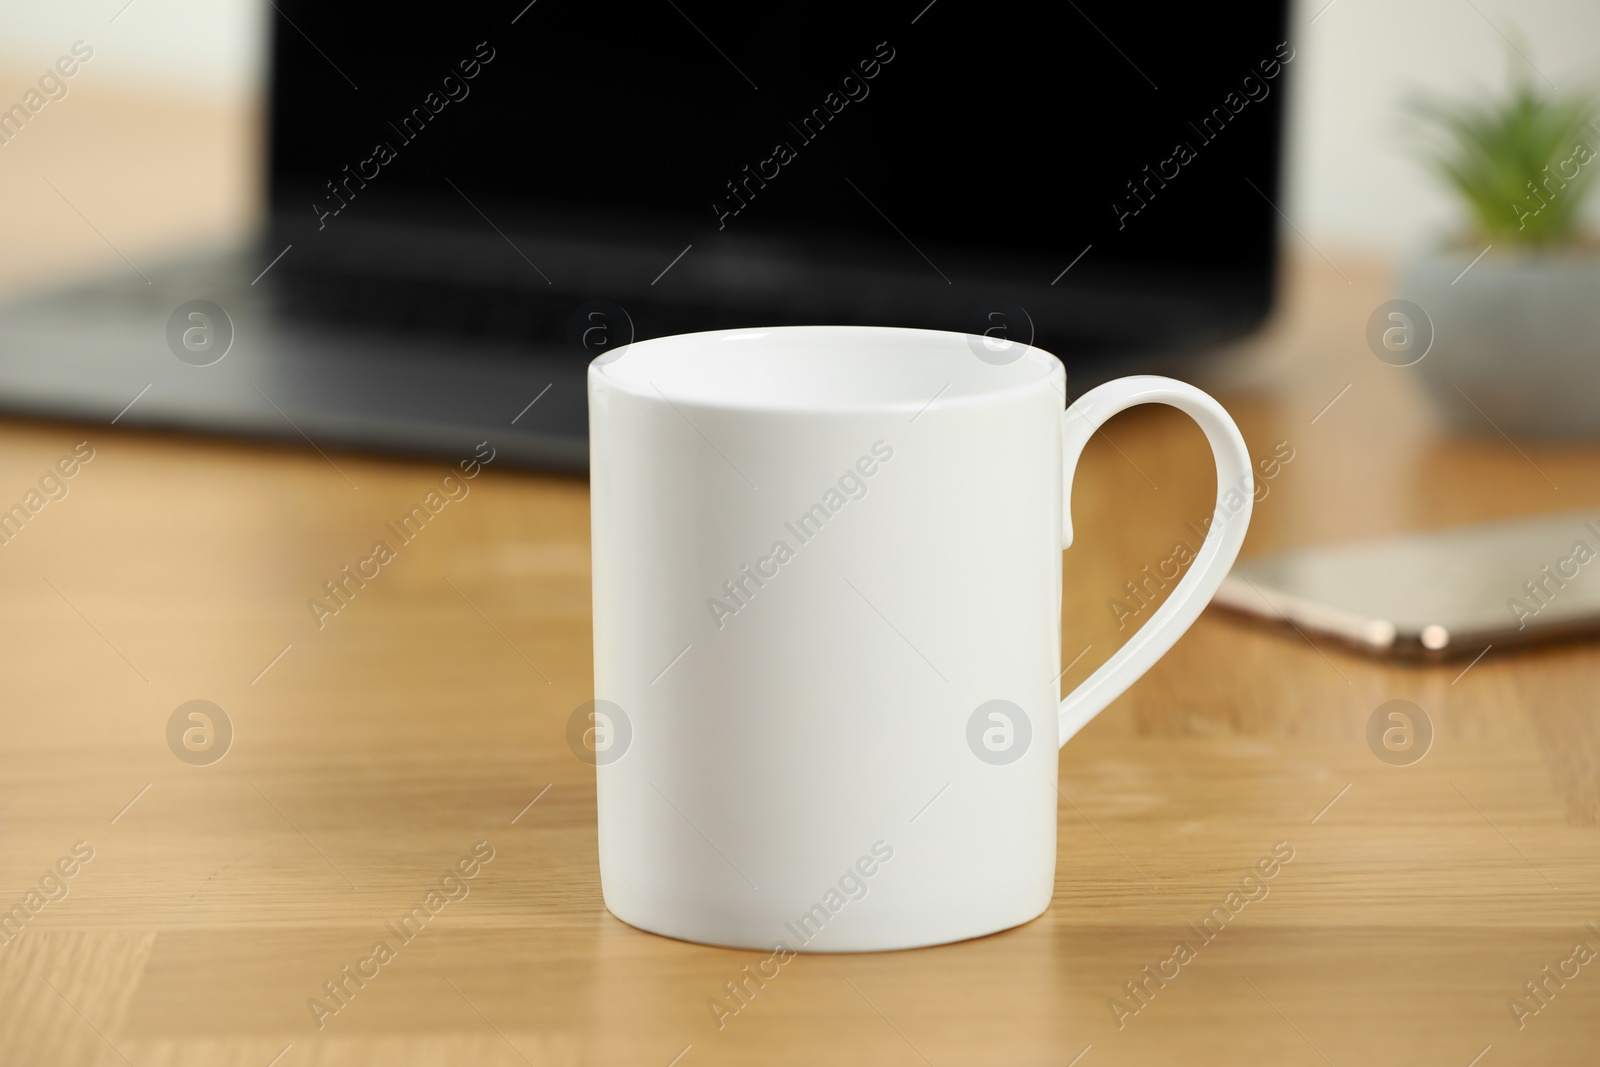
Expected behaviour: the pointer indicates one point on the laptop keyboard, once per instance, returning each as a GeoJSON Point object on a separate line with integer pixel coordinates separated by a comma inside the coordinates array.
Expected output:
{"type": "Point", "coordinates": [519, 315]}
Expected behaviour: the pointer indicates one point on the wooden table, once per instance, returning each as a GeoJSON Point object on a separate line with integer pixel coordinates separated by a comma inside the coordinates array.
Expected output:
{"type": "Point", "coordinates": [428, 715]}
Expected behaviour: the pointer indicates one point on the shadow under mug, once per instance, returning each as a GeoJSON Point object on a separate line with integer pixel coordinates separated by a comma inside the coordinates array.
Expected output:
{"type": "Point", "coordinates": [827, 628]}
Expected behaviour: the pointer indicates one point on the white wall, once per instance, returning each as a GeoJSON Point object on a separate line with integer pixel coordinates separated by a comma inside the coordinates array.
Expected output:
{"type": "Point", "coordinates": [208, 46]}
{"type": "Point", "coordinates": [1352, 182]}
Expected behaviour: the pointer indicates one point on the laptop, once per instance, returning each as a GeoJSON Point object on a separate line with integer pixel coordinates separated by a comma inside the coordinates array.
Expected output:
{"type": "Point", "coordinates": [468, 204]}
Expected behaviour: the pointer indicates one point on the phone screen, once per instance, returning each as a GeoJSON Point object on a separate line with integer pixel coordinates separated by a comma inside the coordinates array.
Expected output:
{"type": "Point", "coordinates": [1442, 592]}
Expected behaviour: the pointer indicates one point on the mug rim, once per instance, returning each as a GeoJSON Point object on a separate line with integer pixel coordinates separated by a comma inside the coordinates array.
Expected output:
{"type": "Point", "coordinates": [968, 379]}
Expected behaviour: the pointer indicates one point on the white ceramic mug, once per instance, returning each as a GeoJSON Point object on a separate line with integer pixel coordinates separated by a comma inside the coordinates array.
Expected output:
{"type": "Point", "coordinates": [827, 630]}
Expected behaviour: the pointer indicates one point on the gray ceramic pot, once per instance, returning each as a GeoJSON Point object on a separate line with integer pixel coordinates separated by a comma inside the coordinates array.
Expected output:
{"type": "Point", "coordinates": [1518, 335]}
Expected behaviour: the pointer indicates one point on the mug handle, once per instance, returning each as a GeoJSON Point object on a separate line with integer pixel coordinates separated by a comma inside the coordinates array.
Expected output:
{"type": "Point", "coordinates": [1235, 480]}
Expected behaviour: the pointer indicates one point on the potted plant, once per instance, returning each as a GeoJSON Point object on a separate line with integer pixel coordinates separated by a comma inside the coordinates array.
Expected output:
{"type": "Point", "coordinates": [1514, 298]}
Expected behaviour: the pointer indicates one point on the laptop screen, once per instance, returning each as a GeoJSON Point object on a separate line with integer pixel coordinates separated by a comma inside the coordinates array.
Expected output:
{"type": "Point", "coordinates": [1106, 174]}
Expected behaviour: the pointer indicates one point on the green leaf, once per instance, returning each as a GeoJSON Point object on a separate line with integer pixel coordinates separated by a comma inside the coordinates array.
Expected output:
{"type": "Point", "coordinates": [1522, 164]}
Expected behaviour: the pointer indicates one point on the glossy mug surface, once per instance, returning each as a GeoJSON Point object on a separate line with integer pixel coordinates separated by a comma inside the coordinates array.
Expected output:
{"type": "Point", "coordinates": [827, 628]}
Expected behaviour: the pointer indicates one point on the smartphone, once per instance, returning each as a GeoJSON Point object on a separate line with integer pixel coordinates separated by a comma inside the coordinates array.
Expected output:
{"type": "Point", "coordinates": [1442, 593]}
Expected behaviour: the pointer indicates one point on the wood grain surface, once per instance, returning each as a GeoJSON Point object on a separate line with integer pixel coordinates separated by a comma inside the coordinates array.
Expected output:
{"type": "Point", "coordinates": [371, 755]}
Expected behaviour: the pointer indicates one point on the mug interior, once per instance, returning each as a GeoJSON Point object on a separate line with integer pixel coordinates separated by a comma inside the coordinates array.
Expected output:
{"type": "Point", "coordinates": [810, 367]}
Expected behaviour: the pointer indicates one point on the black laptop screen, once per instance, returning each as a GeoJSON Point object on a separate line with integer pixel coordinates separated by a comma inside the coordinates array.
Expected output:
{"type": "Point", "coordinates": [980, 148]}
